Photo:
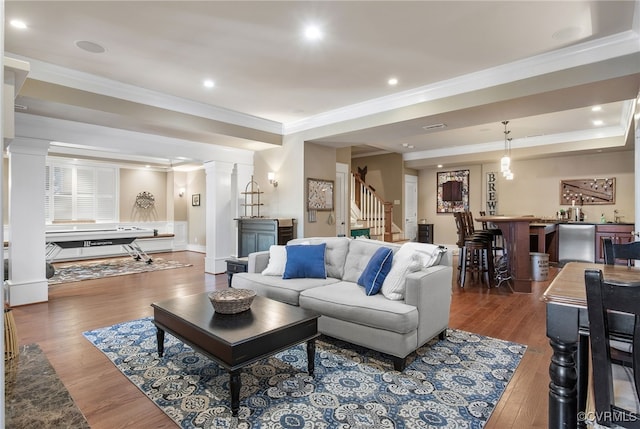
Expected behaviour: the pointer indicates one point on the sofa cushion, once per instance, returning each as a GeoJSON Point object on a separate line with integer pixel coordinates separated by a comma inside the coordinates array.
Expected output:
{"type": "Point", "coordinates": [277, 261]}
{"type": "Point", "coordinates": [347, 301]}
{"type": "Point", "coordinates": [376, 270]}
{"type": "Point", "coordinates": [405, 261]}
{"type": "Point", "coordinates": [277, 288]}
{"type": "Point", "coordinates": [334, 255]}
{"type": "Point", "coordinates": [305, 261]}
{"type": "Point", "coordinates": [360, 252]}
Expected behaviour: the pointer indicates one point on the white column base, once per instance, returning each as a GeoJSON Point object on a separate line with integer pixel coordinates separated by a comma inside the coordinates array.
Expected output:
{"type": "Point", "coordinates": [28, 292]}
{"type": "Point", "coordinates": [215, 265]}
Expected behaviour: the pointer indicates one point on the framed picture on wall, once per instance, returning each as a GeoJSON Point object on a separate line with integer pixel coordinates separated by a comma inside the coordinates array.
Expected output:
{"type": "Point", "coordinates": [319, 194]}
{"type": "Point", "coordinates": [453, 191]}
{"type": "Point", "coordinates": [195, 199]}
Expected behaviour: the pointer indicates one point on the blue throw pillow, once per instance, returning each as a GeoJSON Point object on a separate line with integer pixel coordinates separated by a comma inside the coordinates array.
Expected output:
{"type": "Point", "coordinates": [376, 271]}
{"type": "Point", "coordinates": [305, 261]}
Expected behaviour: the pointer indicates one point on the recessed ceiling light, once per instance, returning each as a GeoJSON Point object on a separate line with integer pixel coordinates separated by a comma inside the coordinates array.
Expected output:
{"type": "Point", "coordinates": [439, 165]}
{"type": "Point", "coordinates": [596, 108]}
{"type": "Point", "coordinates": [392, 81]}
{"type": "Point", "coordinates": [209, 83]}
{"type": "Point", "coordinates": [88, 46]}
{"type": "Point", "coordinates": [18, 24]}
{"type": "Point", "coordinates": [598, 122]}
{"type": "Point", "coordinates": [313, 32]}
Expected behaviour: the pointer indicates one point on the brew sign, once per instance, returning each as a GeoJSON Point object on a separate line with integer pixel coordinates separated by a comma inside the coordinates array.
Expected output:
{"type": "Point", "coordinates": [492, 194]}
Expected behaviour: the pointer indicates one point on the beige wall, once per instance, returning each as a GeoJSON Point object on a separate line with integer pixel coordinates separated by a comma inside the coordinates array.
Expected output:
{"type": "Point", "coordinates": [287, 200]}
{"type": "Point", "coordinates": [320, 163]}
{"type": "Point", "coordinates": [535, 189]}
{"type": "Point", "coordinates": [385, 173]}
{"type": "Point", "coordinates": [343, 155]}
{"type": "Point", "coordinates": [177, 180]}
{"type": "Point", "coordinates": [134, 181]}
{"type": "Point", "coordinates": [196, 184]}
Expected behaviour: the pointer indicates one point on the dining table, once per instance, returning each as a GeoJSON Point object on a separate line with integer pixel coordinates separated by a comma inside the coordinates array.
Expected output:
{"type": "Point", "coordinates": [568, 332]}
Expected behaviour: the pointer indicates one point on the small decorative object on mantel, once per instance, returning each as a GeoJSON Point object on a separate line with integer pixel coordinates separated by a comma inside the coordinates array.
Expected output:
{"type": "Point", "coordinates": [588, 191]}
{"type": "Point", "coordinates": [252, 199]}
{"type": "Point", "coordinates": [231, 301]}
{"type": "Point", "coordinates": [145, 200]}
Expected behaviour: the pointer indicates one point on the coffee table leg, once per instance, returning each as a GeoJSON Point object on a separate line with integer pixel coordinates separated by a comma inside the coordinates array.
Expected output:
{"type": "Point", "coordinates": [311, 356]}
{"type": "Point", "coordinates": [234, 381]}
{"type": "Point", "coordinates": [160, 340]}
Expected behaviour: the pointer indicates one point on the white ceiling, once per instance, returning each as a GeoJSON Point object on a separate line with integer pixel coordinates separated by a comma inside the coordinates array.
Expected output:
{"type": "Point", "coordinates": [467, 64]}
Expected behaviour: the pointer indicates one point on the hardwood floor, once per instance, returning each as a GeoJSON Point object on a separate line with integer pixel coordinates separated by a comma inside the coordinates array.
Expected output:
{"type": "Point", "coordinates": [109, 400]}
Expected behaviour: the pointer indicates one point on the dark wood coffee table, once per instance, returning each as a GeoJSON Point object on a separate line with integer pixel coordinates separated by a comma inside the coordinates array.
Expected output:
{"type": "Point", "coordinates": [236, 340]}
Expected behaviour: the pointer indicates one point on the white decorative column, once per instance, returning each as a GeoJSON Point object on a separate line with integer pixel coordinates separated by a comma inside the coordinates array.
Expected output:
{"type": "Point", "coordinates": [219, 212]}
{"type": "Point", "coordinates": [27, 281]}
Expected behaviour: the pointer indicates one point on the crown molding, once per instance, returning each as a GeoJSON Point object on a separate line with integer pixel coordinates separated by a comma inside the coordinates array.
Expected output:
{"type": "Point", "coordinates": [589, 52]}
{"type": "Point", "coordinates": [52, 73]}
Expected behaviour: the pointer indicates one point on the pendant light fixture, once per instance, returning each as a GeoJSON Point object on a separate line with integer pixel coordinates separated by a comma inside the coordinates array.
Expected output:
{"type": "Point", "coordinates": [505, 161]}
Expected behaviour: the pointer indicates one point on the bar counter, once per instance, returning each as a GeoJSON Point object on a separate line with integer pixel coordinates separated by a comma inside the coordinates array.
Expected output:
{"type": "Point", "coordinates": [525, 234]}
{"type": "Point", "coordinates": [515, 231]}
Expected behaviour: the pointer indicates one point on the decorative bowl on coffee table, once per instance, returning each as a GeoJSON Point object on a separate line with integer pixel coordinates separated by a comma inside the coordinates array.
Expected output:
{"type": "Point", "coordinates": [231, 301]}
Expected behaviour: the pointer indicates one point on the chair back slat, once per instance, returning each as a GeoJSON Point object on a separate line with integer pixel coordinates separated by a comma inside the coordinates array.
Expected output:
{"type": "Point", "coordinates": [628, 251]}
{"type": "Point", "coordinates": [606, 300]}
{"type": "Point", "coordinates": [484, 223]}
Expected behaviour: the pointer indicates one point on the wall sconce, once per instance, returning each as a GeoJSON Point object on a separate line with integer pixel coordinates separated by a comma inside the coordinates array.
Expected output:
{"type": "Point", "coordinates": [181, 192]}
{"type": "Point", "coordinates": [271, 176]}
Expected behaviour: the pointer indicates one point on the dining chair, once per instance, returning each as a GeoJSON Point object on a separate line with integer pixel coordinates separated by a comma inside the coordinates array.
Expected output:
{"type": "Point", "coordinates": [612, 251]}
{"type": "Point", "coordinates": [615, 386]}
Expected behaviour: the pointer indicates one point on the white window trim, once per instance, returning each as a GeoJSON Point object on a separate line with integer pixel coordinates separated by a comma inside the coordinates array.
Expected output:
{"type": "Point", "coordinates": [58, 161]}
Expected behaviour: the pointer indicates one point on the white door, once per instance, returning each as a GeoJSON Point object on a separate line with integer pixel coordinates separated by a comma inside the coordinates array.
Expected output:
{"type": "Point", "coordinates": [341, 189]}
{"type": "Point", "coordinates": [411, 207]}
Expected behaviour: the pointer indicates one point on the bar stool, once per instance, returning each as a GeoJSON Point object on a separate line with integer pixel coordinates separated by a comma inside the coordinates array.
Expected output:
{"type": "Point", "coordinates": [476, 254]}
{"type": "Point", "coordinates": [497, 237]}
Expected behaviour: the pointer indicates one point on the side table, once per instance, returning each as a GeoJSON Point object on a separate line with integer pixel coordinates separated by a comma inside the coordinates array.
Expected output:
{"type": "Point", "coordinates": [236, 265]}
{"type": "Point", "coordinates": [425, 233]}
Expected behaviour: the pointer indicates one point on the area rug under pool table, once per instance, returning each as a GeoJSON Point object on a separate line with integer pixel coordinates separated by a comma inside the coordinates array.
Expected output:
{"type": "Point", "coordinates": [95, 269]}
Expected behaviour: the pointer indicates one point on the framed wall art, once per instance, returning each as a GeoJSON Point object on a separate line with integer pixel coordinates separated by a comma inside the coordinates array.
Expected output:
{"type": "Point", "coordinates": [195, 199]}
{"type": "Point", "coordinates": [453, 191]}
{"type": "Point", "coordinates": [319, 194]}
{"type": "Point", "coordinates": [588, 191]}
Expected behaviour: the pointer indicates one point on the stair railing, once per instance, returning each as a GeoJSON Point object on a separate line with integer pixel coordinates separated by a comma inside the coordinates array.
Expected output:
{"type": "Point", "coordinates": [373, 209]}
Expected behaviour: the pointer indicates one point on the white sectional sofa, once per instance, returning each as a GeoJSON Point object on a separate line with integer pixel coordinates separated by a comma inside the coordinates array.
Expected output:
{"type": "Point", "coordinates": [411, 308]}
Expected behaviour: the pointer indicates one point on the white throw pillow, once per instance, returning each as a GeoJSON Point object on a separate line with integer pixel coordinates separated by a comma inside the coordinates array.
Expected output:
{"type": "Point", "coordinates": [405, 261]}
{"type": "Point", "coordinates": [430, 254]}
{"type": "Point", "coordinates": [277, 261]}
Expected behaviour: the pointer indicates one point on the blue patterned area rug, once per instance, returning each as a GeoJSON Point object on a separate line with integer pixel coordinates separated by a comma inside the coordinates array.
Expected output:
{"type": "Point", "coordinates": [452, 383]}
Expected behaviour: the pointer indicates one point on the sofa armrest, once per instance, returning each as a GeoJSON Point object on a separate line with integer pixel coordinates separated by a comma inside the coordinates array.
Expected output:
{"type": "Point", "coordinates": [258, 261]}
{"type": "Point", "coordinates": [430, 292]}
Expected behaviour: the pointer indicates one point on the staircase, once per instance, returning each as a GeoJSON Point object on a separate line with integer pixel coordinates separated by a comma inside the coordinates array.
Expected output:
{"type": "Point", "coordinates": [369, 210]}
